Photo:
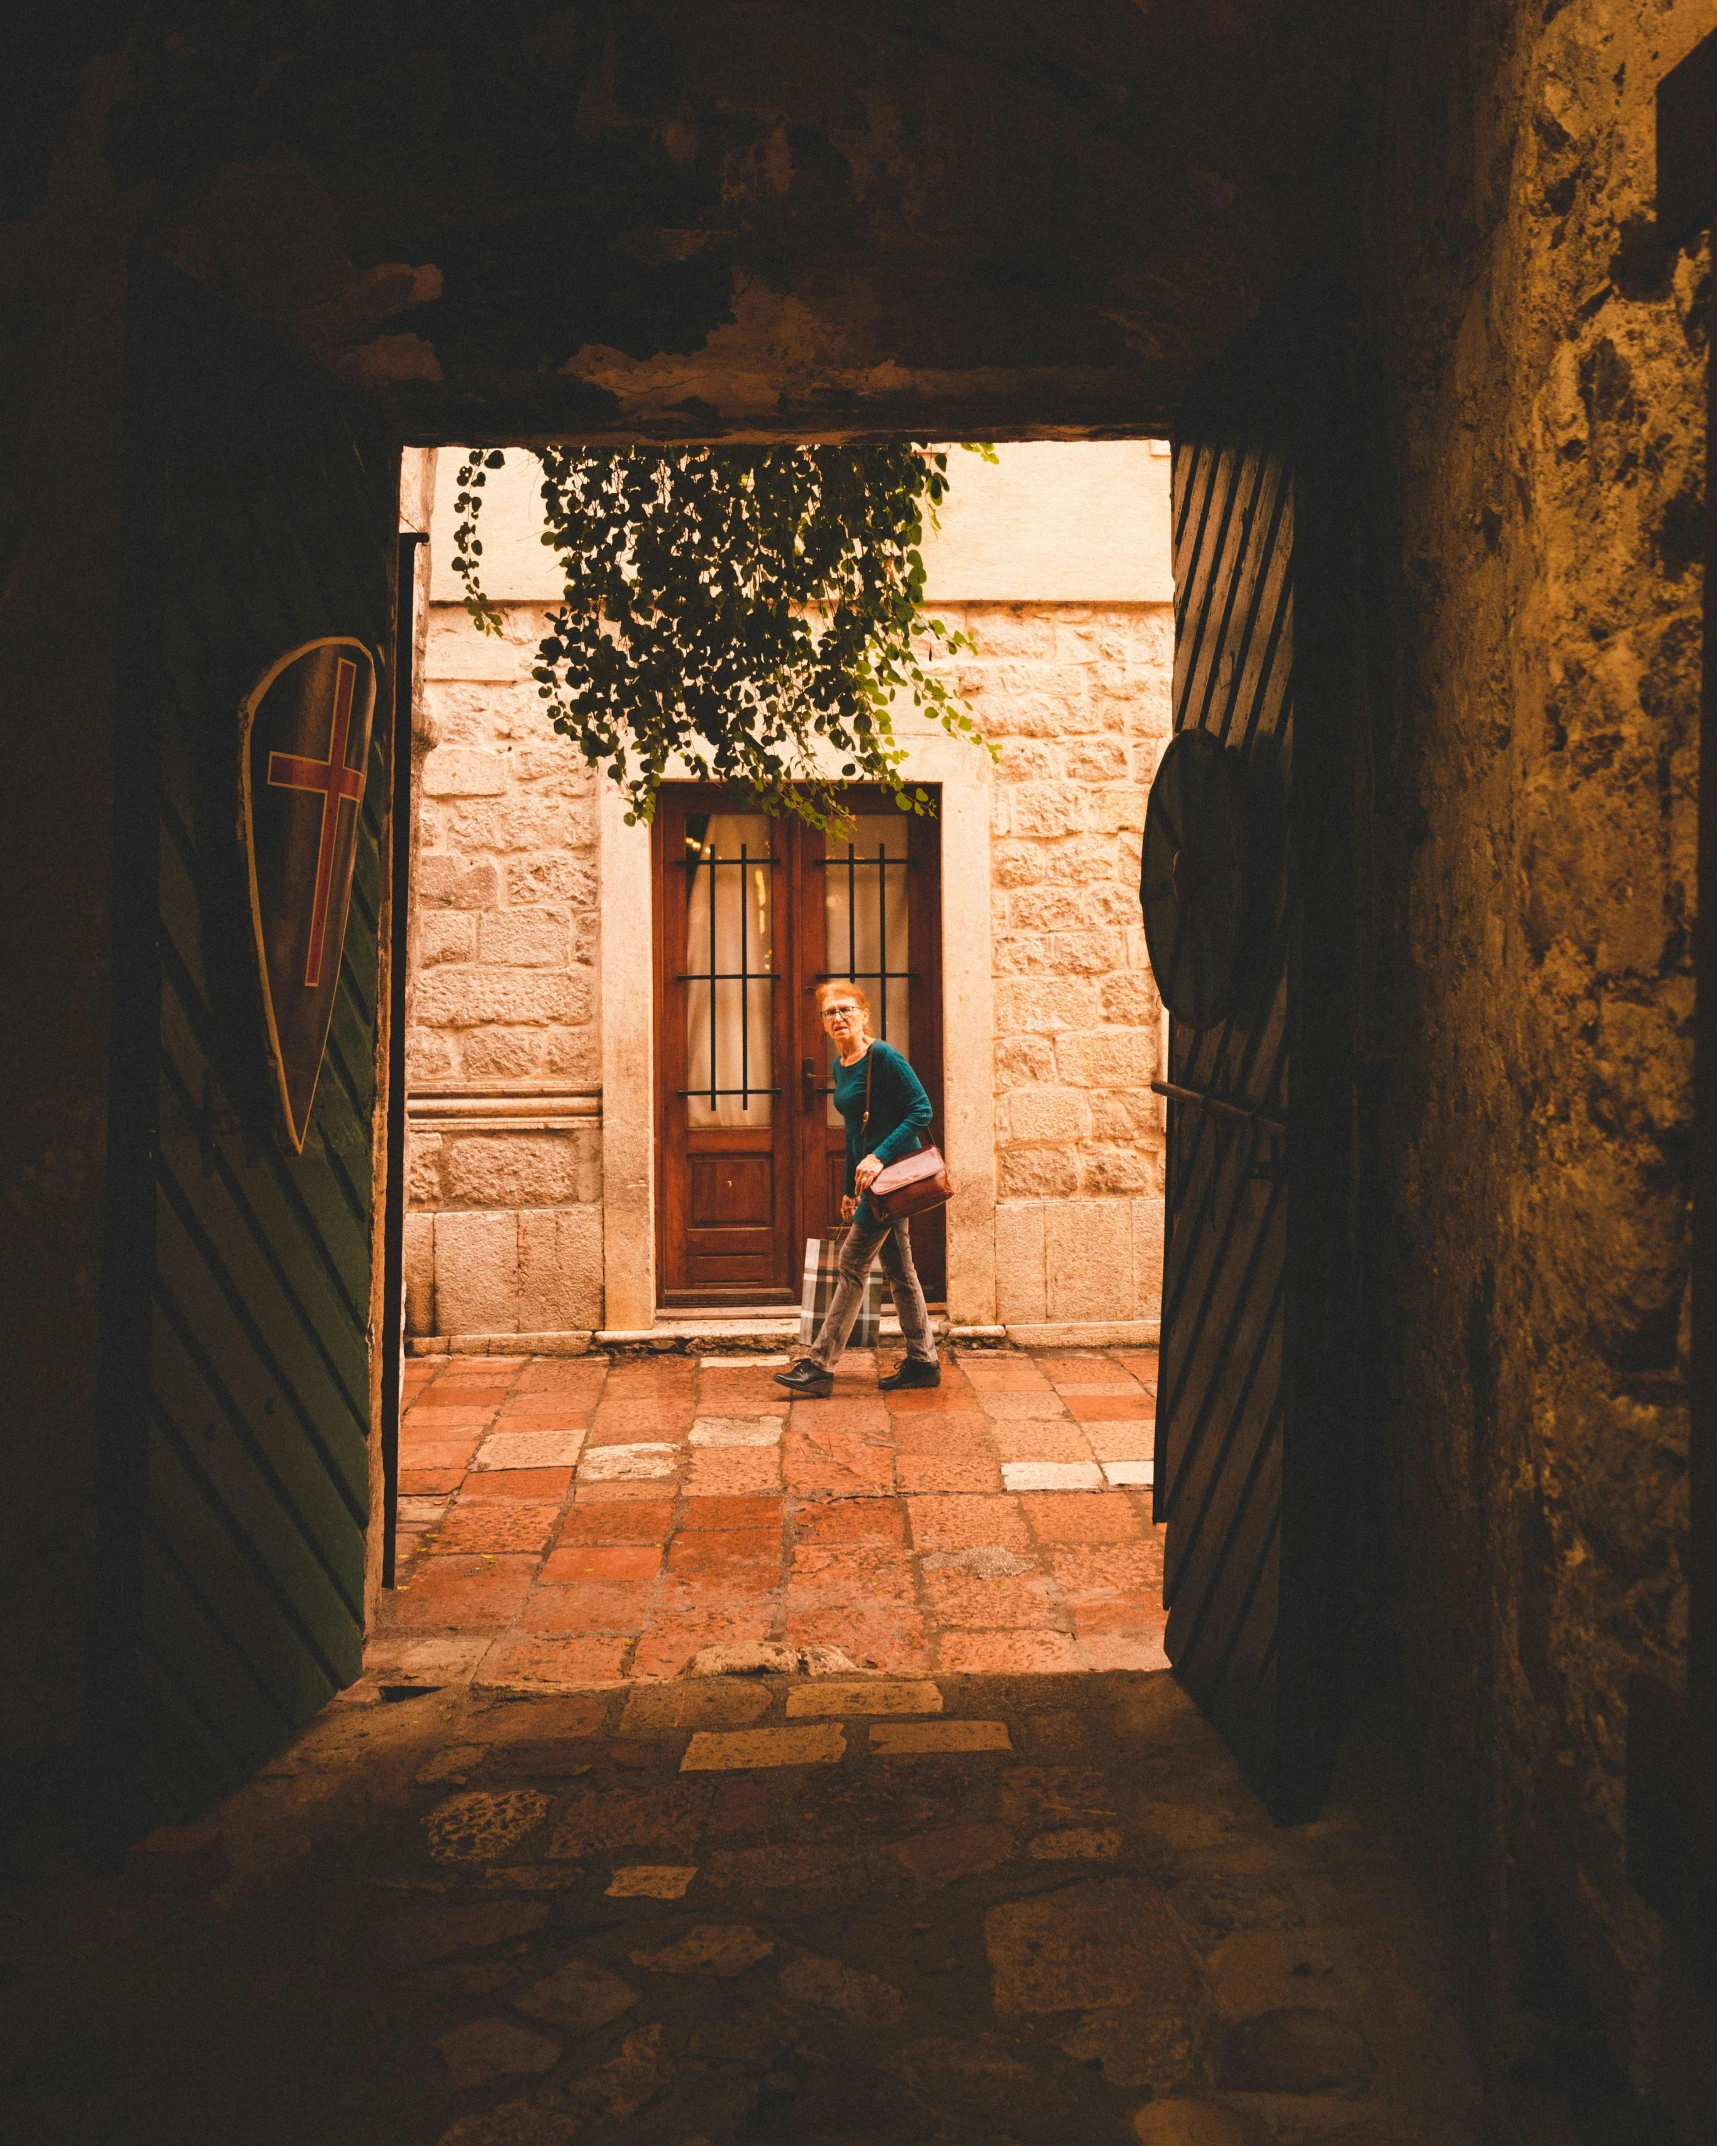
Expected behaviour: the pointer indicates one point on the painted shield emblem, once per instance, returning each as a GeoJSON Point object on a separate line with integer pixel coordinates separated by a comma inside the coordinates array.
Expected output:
{"type": "Point", "coordinates": [306, 744]}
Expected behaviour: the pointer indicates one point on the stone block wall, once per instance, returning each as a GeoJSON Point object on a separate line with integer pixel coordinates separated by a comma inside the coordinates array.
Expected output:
{"type": "Point", "coordinates": [1543, 392]}
{"type": "Point", "coordinates": [503, 1051]}
{"type": "Point", "coordinates": [505, 1232]}
{"type": "Point", "coordinates": [1079, 699]}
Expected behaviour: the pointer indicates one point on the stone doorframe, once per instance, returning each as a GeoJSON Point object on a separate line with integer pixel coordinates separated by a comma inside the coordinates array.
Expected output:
{"type": "Point", "coordinates": [968, 1011]}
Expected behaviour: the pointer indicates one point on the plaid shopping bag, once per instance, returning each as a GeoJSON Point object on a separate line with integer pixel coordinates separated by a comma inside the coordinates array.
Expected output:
{"type": "Point", "coordinates": [822, 1257]}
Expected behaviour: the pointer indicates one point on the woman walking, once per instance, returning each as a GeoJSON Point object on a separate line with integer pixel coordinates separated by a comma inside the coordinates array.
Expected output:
{"type": "Point", "coordinates": [879, 1131]}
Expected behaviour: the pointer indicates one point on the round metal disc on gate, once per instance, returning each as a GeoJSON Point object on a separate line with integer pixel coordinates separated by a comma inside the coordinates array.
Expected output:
{"type": "Point", "coordinates": [1192, 877]}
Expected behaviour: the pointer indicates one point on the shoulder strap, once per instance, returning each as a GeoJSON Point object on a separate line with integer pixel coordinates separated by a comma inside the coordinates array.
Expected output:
{"type": "Point", "coordinates": [869, 1062]}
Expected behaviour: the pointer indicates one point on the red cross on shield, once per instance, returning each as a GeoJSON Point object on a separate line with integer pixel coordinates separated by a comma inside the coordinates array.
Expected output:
{"type": "Point", "coordinates": [306, 727]}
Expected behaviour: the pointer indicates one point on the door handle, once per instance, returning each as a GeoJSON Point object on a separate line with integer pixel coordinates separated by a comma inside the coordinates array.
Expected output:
{"type": "Point", "coordinates": [808, 1085]}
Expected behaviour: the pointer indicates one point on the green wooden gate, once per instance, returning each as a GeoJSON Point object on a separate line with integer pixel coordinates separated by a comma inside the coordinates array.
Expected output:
{"type": "Point", "coordinates": [1254, 1427]}
{"type": "Point", "coordinates": [235, 1380]}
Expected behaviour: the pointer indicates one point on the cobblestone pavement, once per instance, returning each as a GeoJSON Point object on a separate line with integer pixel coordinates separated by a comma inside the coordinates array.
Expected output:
{"type": "Point", "coordinates": [964, 1911]}
{"type": "Point", "coordinates": [570, 1521]}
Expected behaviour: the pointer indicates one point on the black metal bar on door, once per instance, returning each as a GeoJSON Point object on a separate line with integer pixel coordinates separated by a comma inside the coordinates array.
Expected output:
{"type": "Point", "coordinates": [745, 976]}
{"type": "Point", "coordinates": [882, 864]}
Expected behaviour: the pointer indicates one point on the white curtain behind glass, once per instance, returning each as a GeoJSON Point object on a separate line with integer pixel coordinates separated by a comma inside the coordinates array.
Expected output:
{"type": "Point", "coordinates": [865, 911]}
{"type": "Point", "coordinates": [735, 1051]}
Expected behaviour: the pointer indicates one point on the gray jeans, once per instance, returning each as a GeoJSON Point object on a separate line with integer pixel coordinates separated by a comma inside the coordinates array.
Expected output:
{"type": "Point", "coordinates": [894, 1241]}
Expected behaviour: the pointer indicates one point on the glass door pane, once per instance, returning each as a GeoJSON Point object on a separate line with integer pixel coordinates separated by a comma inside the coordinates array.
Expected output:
{"type": "Point", "coordinates": [730, 970]}
{"type": "Point", "coordinates": [866, 931]}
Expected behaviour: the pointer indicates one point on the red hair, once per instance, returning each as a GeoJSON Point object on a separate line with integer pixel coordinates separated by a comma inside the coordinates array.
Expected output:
{"type": "Point", "coordinates": [853, 991]}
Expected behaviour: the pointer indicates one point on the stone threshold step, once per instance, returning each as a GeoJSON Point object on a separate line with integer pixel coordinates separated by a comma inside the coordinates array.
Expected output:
{"type": "Point", "coordinates": [669, 1315]}
{"type": "Point", "coordinates": [769, 1314]}
{"type": "Point", "coordinates": [698, 1336]}
{"type": "Point", "coordinates": [712, 1335]}
{"type": "Point", "coordinates": [777, 1324]}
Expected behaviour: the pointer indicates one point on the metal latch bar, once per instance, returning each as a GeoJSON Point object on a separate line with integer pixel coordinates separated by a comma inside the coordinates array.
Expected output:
{"type": "Point", "coordinates": [1220, 1104]}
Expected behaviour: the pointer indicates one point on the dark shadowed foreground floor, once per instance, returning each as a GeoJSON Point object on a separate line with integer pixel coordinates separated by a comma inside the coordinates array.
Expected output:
{"type": "Point", "coordinates": [1031, 1909]}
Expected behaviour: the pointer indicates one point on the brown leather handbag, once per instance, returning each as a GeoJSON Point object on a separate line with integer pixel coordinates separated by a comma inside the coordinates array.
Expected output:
{"type": "Point", "coordinates": [910, 1186]}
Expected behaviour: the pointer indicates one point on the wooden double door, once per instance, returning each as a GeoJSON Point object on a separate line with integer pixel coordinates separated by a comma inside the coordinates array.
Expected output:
{"type": "Point", "coordinates": [751, 915]}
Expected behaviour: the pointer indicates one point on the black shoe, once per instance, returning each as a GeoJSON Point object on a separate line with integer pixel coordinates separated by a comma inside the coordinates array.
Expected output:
{"type": "Point", "coordinates": [807, 1378]}
{"type": "Point", "coordinates": [912, 1372]}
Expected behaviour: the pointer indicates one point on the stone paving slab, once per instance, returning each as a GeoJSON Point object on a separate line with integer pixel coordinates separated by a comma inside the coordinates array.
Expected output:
{"type": "Point", "coordinates": [468, 1920]}
{"type": "Point", "coordinates": [603, 1521]}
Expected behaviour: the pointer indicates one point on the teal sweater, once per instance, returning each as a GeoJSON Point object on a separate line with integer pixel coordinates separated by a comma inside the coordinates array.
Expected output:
{"type": "Point", "coordinates": [899, 1112]}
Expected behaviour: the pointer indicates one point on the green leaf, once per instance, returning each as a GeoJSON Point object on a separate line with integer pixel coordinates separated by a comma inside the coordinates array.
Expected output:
{"type": "Point", "coordinates": [738, 609]}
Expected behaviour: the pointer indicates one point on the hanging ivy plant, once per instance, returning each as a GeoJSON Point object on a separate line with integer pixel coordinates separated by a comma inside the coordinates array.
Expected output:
{"type": "Point", "coordinates": [745, 611]}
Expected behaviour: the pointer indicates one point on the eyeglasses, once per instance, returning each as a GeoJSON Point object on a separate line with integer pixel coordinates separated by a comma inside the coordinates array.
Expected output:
{"type": "Point", "coordinates": [829, 1012]}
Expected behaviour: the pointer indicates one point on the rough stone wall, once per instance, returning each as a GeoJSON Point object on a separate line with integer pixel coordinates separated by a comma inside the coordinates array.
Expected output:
{"type": "Point", "coordinates": [505, 1234]}
{"type": "Point", "coordinates": [1543, 360]}
{"type": "Point", "coordinates": [1078, 698]}
{"type": "Point", "coordinates": [742, 215]}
